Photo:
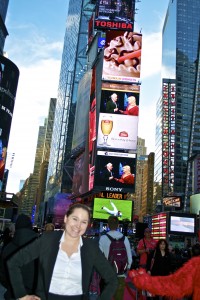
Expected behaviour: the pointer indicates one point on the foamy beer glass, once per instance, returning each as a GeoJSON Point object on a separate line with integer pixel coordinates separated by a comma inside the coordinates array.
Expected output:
{"type": "Point", "coordinates": [106, 128]}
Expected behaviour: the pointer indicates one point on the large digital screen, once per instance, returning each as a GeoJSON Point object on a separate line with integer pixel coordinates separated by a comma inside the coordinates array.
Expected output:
{"type": "Point", "coordinates": [81, 117]}
{"type": "Point", "coordinates": [172, 201]}
{"type": "Point", "coordinates": [118, 14]}
{"type": "Point", "coordinates": [122, 100]}
{"type": "Point", "coordinates": [103, 208]}
{"type": "Point", "coordinates": [122, 56]}
{"type": "Point", "coordinates": [184, 224]}
{"type": "Point", "coordinates": [115, 172]}
{"type": "Point", "coordinates": [9, 75]}
{"type": "Point", "coordinates": [117, 131]}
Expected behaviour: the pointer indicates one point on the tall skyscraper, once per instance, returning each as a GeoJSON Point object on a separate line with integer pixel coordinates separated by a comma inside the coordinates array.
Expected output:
{"type": "Point", "coordinates": [178, 113]}
{"type": "Point", "coordinates": [3, 29]}
{"type": "Point", "coordinates": [73, 66]}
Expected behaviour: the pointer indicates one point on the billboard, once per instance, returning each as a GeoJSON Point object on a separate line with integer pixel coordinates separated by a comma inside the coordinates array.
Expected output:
{"type": "Point", "coordinates": [122, 56]}
{"type": "Point", "coordinates": [82, 111]}
{"type": "Point", "coordinates": [115, 172]}
{"type": "Point", "coordinates": [116, 100]}
{"type": "Point", "coordinates": [103, 208]}
{"type": "Point", "coordinates": [174, 201]}
{"type": "Point", "coordinates": [92, 131]}
{"type": "Point", "coordinates": [117, 132]}
{"type": "Point", "coordinates": [9, 75]}
{"type": "Point", "coordinates": [118, 14]}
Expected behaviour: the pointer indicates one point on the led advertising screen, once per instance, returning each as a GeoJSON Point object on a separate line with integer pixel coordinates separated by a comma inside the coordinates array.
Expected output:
{"type": "Point", "coordinates": [82, 111]}
{"type": "Point", "coordinates": [184, 224]}
{"type": "Point", "coordinates": [9, 75]}
{"type": "Point", "coordinates": [122, 100]}
{"type": "Point", "coordinates": [117, 131]}
{"type": "Point", "coordinates": [116, 14]}
{"type": "Point", "coordinates": [172, 201]}
{"type": "Point", "coordinates": [122, 56]}
{"type": "Point", "coordinates": [103, 208]}
{"type": "Point", "coordinates": [115, 172]}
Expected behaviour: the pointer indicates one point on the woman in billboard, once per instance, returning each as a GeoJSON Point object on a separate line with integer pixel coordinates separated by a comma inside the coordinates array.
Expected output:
{"type": "Point", "coordinates": [132, 108]}
{"type": "Point", "coordinates": [66, 262]}
{"type": "Point", "coordinates": [127, 177]}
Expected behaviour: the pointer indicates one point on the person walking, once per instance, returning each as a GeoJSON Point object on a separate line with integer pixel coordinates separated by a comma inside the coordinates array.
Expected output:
{"type": "Point", "coordinates": [23, 235]}
{"type": "Point", "coordinates": [159, 261]}
{"type": "Point", "coordinates": [105, 243]}
{"type": "Point", "coordinates": [145, 246]}
{"type": "Point", "coordinates": [66, 262]}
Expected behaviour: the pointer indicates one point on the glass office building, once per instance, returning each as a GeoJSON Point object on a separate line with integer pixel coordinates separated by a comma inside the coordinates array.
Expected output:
{"type": "Point", "coordinates": [3, 30]}
{"type": "Point", "coordinates": [73, 66]}
{"type": "Point", "coordinates": [180, 63]}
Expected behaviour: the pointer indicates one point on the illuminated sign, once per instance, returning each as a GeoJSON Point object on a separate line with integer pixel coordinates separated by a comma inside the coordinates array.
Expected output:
{"type": "Point", "coordinates": [115, 172]}
{"type": "Point", "coordinates": [168, 136]}
{"type": "Point", "coordinates": [9, 75]}
{"type": "Point", "coordinates": [122, 56]}
{"type": "Point", "coordinates": [159, 226]}
{"type": "Point", "coordinates": [114, 14]}
{"type": "Point", "coordinates": [103, 208]}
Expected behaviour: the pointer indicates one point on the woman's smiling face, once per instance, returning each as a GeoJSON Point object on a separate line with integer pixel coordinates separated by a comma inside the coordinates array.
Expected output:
{"type": "Point", "coordinates": [77, 222]}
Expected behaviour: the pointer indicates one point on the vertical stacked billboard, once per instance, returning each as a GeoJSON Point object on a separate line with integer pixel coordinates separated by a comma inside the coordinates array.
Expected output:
{"type": "Point", "coordinates": [113, 104]}
{"type": "Point", "coordinates": [9, 75]}
{"type": "Point", "coordinates": [168, 129]}
{"type": "Point", "coordinates": [118, 110]}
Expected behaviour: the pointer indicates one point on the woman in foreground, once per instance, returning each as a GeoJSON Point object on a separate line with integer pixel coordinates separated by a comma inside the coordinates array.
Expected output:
{"type": "Point", "coordinates": [183, 283]}
{"type": "Point", "coordinates": [66, 262]}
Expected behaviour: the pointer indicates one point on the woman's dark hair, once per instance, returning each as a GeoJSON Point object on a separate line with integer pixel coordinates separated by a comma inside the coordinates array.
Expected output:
{"type": "Point", "coordinates": [78, 205]}
{"type": "Point", "coordinates": [160, 242]}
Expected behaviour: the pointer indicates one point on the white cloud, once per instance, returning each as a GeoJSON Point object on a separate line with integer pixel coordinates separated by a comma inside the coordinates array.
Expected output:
{"type": "Point", "coordinates": [37, 84]}
{"type": "Point", "coordinates": [151, 55]}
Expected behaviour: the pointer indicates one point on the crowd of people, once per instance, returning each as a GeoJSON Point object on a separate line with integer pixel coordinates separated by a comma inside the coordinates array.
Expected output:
{"type": "Point", "coordinates": [66, 264]}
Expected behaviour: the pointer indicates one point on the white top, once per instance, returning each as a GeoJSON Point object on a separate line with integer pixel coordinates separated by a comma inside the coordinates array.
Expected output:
{"type": "Point", "coordinates": [67, 274]}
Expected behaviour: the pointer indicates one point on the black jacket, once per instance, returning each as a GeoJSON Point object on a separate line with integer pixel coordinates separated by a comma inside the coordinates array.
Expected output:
{"type": "Point", "coordinates": [21, 238]}
{"type": "Point", "coordinates": [161, 265]}
{"type": "Point", "coordinates": [46, 249]}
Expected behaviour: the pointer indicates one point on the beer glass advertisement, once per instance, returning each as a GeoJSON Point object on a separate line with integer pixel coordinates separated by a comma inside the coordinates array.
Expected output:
{"type": "Point", "coordinates": [118, 14]}
{"type": "Point", "coordinates": [117, 131]}
{"type": "Point", "coordinates": [122, 56]}
{"type": "Point", "coordinates": [115, 172]}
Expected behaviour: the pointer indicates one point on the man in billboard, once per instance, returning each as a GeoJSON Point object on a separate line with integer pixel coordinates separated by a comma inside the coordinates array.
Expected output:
{"type": "Point", "coordinates": [114, 212]}
{"type": "Point", "coordinates": [107, 174]}
{"type": "Point", "coordinates": [111, 105]}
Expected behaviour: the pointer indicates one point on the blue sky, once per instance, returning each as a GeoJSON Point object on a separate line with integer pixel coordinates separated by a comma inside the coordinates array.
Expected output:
{"type": "Point", "coordinates": [36, 34]}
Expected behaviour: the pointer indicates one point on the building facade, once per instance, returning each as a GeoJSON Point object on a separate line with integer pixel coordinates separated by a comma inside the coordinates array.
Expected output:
{"type": "Point", "coordinates": [3, 29]}
{"type": "Point", "coordinates": [178, 110]}
{"type": "Point", "coordinates": [73, 66]}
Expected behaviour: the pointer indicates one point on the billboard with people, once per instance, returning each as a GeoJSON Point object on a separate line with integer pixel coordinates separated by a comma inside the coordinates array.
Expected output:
{"type": "Point", "coordinates": [115, 172]}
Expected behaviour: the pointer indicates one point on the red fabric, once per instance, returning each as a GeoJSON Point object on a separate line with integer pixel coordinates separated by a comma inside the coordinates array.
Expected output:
{"type": "Point", "coordinates": [184, 282]}
{"type": "Point", "coordinates": [134, 111]}
{"type": "Point", "coordinates": [144, 243]}
{"type": "Point", "coordinates": [128, 179]}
